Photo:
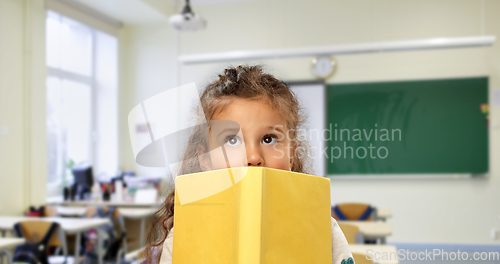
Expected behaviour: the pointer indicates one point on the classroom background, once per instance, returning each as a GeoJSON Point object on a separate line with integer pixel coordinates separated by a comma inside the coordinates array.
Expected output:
{"type": "Point", "coordinates": [72, 70]}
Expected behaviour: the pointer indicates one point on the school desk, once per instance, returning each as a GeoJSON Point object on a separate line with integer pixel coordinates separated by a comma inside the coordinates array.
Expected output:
{"type": "Point", "coordinates": [381, 254]}
{"type": "Point", "coordinates": [6, 244]}
{"type": "Point", "coordinates": [140, 214]}
{"type": "Point", "coordinates": [70, 226]}
{"type": "Point", "coordinates": [383, 213]}
{"type": "Point", "coordinates": [106, 203]}
{"type": "Point", "coordinates": [134, 256]}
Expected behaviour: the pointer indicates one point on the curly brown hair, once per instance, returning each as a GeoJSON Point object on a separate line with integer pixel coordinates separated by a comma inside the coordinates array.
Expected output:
{"type": "Point", "coordinates": [249, 82]}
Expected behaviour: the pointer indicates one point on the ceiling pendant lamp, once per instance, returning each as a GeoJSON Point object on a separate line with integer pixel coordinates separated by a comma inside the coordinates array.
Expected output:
{"type": "Point", "coordinates": [187, 20]}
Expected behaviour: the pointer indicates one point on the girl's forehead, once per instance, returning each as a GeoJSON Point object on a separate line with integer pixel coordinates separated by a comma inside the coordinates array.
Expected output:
{"type": "Point", "coordinates": [250, 113]}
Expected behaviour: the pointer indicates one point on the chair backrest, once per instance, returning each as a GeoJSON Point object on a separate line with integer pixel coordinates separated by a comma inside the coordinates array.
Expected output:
{"type": "Point", "coordinates": [353, 211]}
{"type": "Point", "coordinates": [35, 230]}
{"type": "Point", "coordinates": [351, 232]}
{"type": "Point", "coordinates": [141, 254]}
{"type": "Point", "coordinates": [360, 258]}
{"type": "Point", "coordinates": [39, 235]}
{"type": "Point", "coordinates": [50, 211]}
{"type": "Point", "coordinates": [116, 231]}
{"type": "Point", "coordinates": [90, 212]}
{"type": "Point", "coordinates": [119, 223]}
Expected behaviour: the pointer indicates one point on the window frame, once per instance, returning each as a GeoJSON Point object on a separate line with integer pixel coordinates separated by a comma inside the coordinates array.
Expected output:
{"type": "Point", "coordinates": [54, 187]}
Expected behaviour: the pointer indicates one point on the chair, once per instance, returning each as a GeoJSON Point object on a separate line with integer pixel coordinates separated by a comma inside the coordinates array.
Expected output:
{"type": "Point", "coordinates": [351, 233]}
{"type": "Point", "coordinates": [35, 211]}
{"type": "Point", "coordinates": [119, 225]}
{"type": "Point", "coordinates": [360, 258]}
{"type": "Point", "coordinates": [42, 211]}
{"type": "Point", "coordinates": [354, 212]}
{"type": "Point", "coordinates": [50, 211]}
{"type": "Point", "coordinates": [35, 230]}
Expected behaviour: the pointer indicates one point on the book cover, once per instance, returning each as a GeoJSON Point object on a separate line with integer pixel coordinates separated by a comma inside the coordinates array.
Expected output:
{"type": "Point", "coordinates": [252, 215]}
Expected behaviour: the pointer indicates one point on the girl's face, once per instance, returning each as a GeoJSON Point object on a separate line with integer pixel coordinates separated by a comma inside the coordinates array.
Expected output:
{"type": "Point", "coordinates": [250, 127]}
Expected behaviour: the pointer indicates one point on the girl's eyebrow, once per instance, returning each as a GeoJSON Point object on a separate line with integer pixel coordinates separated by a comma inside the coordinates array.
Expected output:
{"type": "Point", "coordinates": [277, 128]}
{"type": "Point", "coordinates": [229, 129]}
{"type": "Point", "coordinates": [226, 131]}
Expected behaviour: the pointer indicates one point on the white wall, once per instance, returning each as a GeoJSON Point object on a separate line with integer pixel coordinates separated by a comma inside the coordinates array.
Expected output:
{"type": "Point", "coordinates": [148, 68]}
{"type": "Point", "coordinates": [427, 211]}
{"type": "Point", "coordinates": [23, 151]}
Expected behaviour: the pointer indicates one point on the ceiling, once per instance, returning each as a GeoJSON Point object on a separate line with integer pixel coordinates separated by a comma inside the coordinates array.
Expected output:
{"type": "Point", "coordinates": [204, 2]}
{"type": "Point", "coordinates": [130, 11]}
{"type": "Point", "coordinates": [141, 11]}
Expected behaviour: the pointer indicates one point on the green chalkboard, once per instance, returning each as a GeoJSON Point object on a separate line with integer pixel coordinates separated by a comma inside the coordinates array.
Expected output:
{"type": "Point", "coordinates": [407, 127]}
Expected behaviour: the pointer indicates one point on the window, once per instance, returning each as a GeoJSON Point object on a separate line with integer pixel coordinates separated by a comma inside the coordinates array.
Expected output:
{"type": "Point", "coordinates": [81, 99]}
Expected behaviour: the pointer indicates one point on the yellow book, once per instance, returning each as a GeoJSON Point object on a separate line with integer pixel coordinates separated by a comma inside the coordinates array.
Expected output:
{"type": "Point", "coordinates": [252, 215]}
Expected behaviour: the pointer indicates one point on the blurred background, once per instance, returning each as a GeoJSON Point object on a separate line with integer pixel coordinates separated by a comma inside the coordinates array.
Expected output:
{"type": "Point", "coordinates": [72, 70]}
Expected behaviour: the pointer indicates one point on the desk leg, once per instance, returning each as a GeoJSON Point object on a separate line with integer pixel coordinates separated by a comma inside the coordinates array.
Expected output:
{"type": "Point", "coordinates": [143, 235]}
{"type": "Point", "coordinates": [99, 247]}
{"type": "Point", "coordinates": [62, 238]}
{"type": "Point", "coordinates": [7, 254]}
{"type": "Point", "coordinates": [77, 248]}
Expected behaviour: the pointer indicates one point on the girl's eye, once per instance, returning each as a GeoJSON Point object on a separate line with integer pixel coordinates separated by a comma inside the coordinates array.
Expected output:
{"type": "Point", "coordinates": [269, 140]}
{"type": "Point", "coordinates": [233, 141]}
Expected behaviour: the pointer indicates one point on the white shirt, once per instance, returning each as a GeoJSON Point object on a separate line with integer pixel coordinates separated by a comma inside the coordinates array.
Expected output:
{"type": "Point", "coordinates": [340, 248]}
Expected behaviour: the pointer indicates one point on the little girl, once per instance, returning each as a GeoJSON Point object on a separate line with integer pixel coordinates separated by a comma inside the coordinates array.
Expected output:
{"type": "Point", "coordinates": [265, 109]}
